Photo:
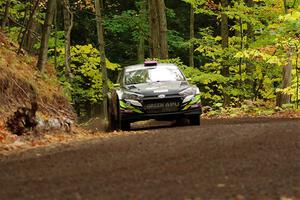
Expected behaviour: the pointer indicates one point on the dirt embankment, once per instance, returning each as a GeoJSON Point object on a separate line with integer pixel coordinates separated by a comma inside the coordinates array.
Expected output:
{"type": "Point", "coordinates": [21, 82]}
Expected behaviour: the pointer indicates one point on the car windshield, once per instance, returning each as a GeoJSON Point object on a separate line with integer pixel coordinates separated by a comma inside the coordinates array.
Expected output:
{"type": "Point", "coordinates": [149, 75]}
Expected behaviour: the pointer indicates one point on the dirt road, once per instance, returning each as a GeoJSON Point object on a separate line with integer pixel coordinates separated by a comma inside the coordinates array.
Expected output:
{"type": "Point", "coordinates": [236, 159]}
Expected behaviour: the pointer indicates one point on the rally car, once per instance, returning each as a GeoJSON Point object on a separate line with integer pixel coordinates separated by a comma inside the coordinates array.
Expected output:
{"type": "Point", "coordinates": [152, 91]}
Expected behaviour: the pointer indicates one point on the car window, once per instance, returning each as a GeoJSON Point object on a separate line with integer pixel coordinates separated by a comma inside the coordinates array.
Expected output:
{"type": "Point", "coordinates": [149, 75]}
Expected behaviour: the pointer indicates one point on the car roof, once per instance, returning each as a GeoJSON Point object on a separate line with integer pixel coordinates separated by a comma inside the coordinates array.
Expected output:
{"type": "Point", "coordinates": [142, 66]}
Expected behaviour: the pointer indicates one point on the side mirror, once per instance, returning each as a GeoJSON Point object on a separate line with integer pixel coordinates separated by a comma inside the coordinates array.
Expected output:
{"type": "Point", "coordinates": [116, 85]}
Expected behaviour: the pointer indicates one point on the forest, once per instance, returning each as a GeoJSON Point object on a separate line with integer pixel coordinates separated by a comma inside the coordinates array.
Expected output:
{"type": "Point", "coordinates": [238, 52]}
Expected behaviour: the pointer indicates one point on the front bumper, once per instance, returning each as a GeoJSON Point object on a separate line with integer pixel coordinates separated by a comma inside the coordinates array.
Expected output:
{"type": "Point", "coordinates": [132, 117]}
{"type": "Point", "coordinates": [133, 113]}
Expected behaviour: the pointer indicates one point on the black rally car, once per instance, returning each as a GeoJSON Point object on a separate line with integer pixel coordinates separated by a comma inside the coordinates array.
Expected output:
{"type": "Point", "coordinates": [152, 91]}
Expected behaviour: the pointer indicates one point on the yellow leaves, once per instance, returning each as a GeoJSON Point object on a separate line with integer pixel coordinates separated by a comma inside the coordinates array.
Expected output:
{"type": "Point", "coordinates": [218, 38]}
{"type": "Point", "coordinates": [294, 16]}
{"type": "Point", "coordinates": [274, 26]}
{"type": "Point", "coordinates": [288, 90]}
{"type": "Point", "coordinates": [274, 60]}
{"type": "Point", "coordinates": [264, 54]}
{"type": "Point", "coordinates": [85, 4]}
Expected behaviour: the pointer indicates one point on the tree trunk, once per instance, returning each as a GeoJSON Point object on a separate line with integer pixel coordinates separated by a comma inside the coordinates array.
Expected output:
{"type": "Point", "coordinates": [100, 33]}
{"type": "Point", "coordinates": [68, 25]}
{"type": "Point", "coordinates": [6, 14]}
{"type": "Point", "coordinates": [51, 5]}
{"type": "Point", "coordinates": [163, 29]}
{"type": "Point", "coordinates": [225, 36]}
{"type": "Point", "coordinates": [154, 30]}
{"type": "Point", "coordinates": [250, 32]}
{"type": "Point", "coordinates": [286, 73]}
{"type": "Point", "coordinates": [141, 45]}
{"type": "Point", "coordinates": [31, 38]}
{"type": "Point", "coordinates": [286, 80]}
{"type": "Point", "coordinates": [28, 30]}
{"type": "Point", "coordinates": [192, 36]}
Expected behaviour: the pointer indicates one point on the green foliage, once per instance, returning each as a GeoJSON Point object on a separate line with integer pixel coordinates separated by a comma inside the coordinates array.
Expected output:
{"type": "Point", "coordinates": [255, 61]}
{"type": "Point", "coordinates": [56, 39]}
{"type": "Point", "coordinates": [260, 38]}
{"type": "Point", "coordinates": [86, 84]}
{"type": "Point", "coordinates": [128, 22]}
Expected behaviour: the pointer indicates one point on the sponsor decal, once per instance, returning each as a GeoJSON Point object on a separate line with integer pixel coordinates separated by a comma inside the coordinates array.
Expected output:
{"type": "Point", "coordinates": [161, 91]}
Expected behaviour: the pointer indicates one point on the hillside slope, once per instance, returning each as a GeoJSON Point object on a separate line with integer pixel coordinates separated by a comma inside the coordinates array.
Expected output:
{"type": "Point", "coordinates": [20, 82]}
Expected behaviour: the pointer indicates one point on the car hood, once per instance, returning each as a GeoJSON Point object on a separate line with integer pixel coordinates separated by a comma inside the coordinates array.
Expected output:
{"type": "Point", "coordinates": [157, 88]}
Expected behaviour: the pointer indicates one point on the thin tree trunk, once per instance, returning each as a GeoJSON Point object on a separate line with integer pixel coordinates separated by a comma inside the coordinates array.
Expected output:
{"type": "Point", "coordinates": [68, 25]}
{"type": "Point", "coordinates": [249, 65]}
{"type": "Point", "coordinates": [55, 36]}
{"type": "Point", "coordinates": [225, 36]}
{"type": "Point", "coordinates": [154, 27]}
{"type": "Point", "coordinates": [297, 75]}
{"type": "Point", "coordinates": [150, 29]}
{"type": "Point", "coordinates": [100, 33]}
{"type": "Point", "coordinates": [51, 5]}
{"type": "Point", "coordinates": [24, 24]}
{"type": "Point", "coordinates": [285, 7]}
{"type": "Point", "coordinates": [141, 45]}
{"type": "Point", "coordinates": [192, 36]}
{"type": "Point", "coordinates": [27, 33]}
{"type": "Point", "coordinates": [163, 29]}
{"type": "Point", "coordinates": [141, 49]}
{"type": "Point", "coordinates": [241, 60]}
{"type": "Point", "coordinates": [6, 14]}
{"type": "Point", "coordinates": [30, 40]}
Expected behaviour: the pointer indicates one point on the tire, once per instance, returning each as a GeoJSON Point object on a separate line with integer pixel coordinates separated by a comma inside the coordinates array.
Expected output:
{"type": "Point", "coordinates": [194, 120]}
{"type": "Point", "coordinates": [112, 123]}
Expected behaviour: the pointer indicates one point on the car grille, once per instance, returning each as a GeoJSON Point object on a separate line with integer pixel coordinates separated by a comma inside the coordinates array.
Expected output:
{"type": "Point", "coordinates": [161, 105]}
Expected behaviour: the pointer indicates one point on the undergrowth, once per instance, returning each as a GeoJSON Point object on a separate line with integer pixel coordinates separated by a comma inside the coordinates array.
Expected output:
{"type": "Point", "coordinates": [252, 109]}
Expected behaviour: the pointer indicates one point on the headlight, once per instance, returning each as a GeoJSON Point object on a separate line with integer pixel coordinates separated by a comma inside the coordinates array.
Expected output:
{"type": "Point", "coordinates": [189, 91]}
{"type": "Point", "coordinates": [132, 96]}
{"type": "Point", "coordinates": [188, 98]}
{"type": "Point", "coordinates": [189, 94]}
{"type": "Point", "coordinates": [134, 102]}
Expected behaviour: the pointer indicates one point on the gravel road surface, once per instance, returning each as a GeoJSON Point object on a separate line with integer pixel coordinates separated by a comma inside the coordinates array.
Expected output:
{"type": "Point", "coordinates": [222, 159]}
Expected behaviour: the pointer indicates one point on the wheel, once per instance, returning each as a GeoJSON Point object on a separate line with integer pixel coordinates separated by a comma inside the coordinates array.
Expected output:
{"type": "Point", "coordinates": [194, 120]}
{"type": "Point", "coordinates": [114, 116]}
